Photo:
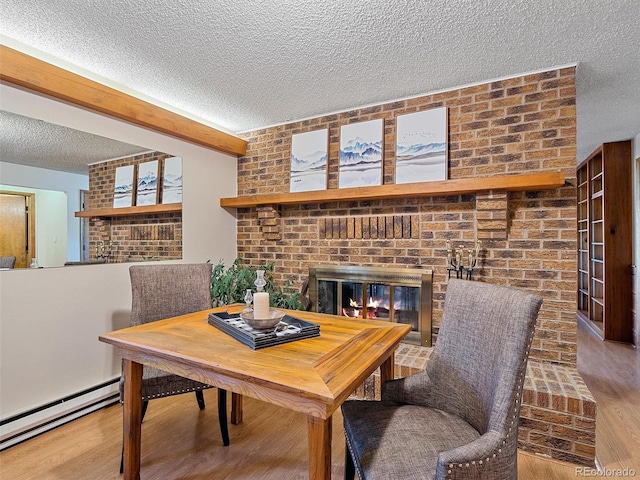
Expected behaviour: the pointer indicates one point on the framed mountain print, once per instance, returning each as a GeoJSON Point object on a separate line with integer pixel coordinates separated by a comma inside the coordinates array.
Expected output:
{"type": "Point", "coordinates": [361, 154]}
{"type": "Point", "coordinates": [309, 153]}
{"type": "Point", "coordinates": [147, 186]}
{"type": "Point", "coordinates": [172, 180]}
{"type": "Point", "coordinates": [421, 146]}
{"type": "Point", "coordinates": [123, 188]}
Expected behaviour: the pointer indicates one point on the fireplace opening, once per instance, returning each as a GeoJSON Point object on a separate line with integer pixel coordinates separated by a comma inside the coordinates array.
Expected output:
{"type": "Point", "coordinates": [399, 295]}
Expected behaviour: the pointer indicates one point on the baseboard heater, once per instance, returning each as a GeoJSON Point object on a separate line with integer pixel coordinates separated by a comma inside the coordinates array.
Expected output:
{"type": "Point", "coordinates": [26, 425]}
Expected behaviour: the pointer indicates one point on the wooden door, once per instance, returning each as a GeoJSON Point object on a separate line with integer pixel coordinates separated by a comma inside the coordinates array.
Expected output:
{"type": "Point", "coordinates": [17, 232]}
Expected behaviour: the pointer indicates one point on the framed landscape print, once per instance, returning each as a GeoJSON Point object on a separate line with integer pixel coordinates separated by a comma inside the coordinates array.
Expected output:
{"type": "Point", "coordinates": [361, 154]}
{"type": "Point", "coordinates": [421, 146]}
{"type": "Point", "coordinates": [123, 188]}
{"type": "Point", "coordinates": [147, 187]}
{"type": "Point", "coordinates": [172, 180]}
{"type": "Point", "coordinates": [309, 153]}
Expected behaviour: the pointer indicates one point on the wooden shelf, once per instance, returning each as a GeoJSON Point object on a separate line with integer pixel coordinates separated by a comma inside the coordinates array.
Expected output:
{"type": "Point", "coordinates": [131, 211]}
{"type": "Point", "coordinates": [605, 291]}
{"type": "Point", "coordinates": [527, 181]}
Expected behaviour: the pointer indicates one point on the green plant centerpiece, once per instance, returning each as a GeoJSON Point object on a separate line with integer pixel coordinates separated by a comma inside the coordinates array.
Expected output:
{"type": "Point", "coordinates": [231, 284]}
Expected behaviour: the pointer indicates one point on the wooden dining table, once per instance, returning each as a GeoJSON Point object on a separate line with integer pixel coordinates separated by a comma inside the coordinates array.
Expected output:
{"type": "Point", "coordinates": [313, 375]}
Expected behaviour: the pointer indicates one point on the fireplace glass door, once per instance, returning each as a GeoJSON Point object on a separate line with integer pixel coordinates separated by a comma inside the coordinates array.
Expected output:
{"type": "Point", "coordinates": [400, 298]}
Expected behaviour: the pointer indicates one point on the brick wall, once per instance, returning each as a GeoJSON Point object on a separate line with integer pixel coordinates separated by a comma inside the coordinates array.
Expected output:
{"type": "Point", "coordinates": [522, 124]}
{"type": "Point", "coordinates": [134, 238]}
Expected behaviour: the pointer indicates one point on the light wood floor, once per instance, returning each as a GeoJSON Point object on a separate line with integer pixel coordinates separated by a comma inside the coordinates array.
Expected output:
{"type": "Point", "coordinates": [611, 370]}
{"type": "Point", "coordinates": [181, 442]}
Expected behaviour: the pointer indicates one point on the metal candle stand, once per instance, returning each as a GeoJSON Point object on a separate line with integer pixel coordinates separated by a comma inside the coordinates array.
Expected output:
{"type": "Point", "coordinates": [103, 249]}
{"type": "Point", "coordinates": [456, 258]}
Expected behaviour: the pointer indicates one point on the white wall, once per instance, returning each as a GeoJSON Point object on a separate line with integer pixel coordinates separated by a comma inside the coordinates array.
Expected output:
{"type": "Point", "coordinates": [50, 319]}
{"type": "Point", "coordinates": [51, 234]}
{"type": "Point", "coordinates": [32, 179]}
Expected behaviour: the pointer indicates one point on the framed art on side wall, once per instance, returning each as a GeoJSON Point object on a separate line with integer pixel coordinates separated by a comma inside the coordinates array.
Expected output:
{"type": "Point", "coordinates": [309, 153]}
{"type": "Point", "coordinates": [421, 146]}
{"type": "Point", "coordinates": [360, 154]}
{"type": "Point", "coordinates": [172, 180]}
{"type": "Point", "coordinates": [147, 186]}
{"type": "Point", "coordinates": [123, 188]}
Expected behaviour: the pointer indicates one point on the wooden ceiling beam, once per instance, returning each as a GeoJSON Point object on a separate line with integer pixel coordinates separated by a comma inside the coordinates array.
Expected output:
{"type": "Point", "coordinates": [34, 74]}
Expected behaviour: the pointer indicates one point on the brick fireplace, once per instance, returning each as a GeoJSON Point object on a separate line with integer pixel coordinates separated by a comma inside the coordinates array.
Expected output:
{"type": "Point", "coordinates": [399, 295]}
{"type": "Point", "coordinates": [513, 126]}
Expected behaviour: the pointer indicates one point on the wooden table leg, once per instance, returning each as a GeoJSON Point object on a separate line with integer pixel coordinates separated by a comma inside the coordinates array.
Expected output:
{"type": "Point", "coordinates": [319, 432]}
{"type": "Point", "coordinates": [236, 408]}
{"type": "Point", "coordinates": [386, 369]}
{"type": "Point", "coordinates": [132, 419]}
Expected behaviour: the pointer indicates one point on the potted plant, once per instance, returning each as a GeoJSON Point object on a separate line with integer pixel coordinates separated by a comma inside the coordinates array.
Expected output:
{"type": "Point", "coordinates": [230, 285]}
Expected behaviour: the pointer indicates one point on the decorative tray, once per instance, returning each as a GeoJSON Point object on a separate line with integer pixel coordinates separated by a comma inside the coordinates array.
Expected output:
{"type": "Point", "coordinates": [288, 330]}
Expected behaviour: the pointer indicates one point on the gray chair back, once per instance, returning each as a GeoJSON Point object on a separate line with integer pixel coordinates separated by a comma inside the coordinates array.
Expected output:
{"type": "Point", "coordinates": [165, 291]}
{"type": "Point", "coordinates": [7, 261]}
{"type": "Point", "coordinates": [479, 360]}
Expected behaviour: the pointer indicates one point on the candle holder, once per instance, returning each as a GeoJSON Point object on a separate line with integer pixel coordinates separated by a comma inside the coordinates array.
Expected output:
{"type": "Point", "coordinates": [260, 281]}
{"type": "Point", "coordinates": [261, 316]}
{"type": "Point", "coordinates": [104, 249]}
{"type": "Point", "coordinates": [456, 259]}
{"type": "Point", "coordinates": [248, 299]}
{"type": "Point", "coordinates": [260, 298]}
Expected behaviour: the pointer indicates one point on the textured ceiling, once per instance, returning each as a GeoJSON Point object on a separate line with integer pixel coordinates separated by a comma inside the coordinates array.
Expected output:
{"type": "Point", "coordinates": [241, 65]}
{"type": "Point", "coordinates": [32, 142]}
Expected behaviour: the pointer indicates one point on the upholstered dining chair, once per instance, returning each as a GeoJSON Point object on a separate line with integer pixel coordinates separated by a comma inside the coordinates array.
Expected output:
{"type": "Point", "coordinates": [458, 418]}
{"type": "Point", "coordinates": [165, 291]}
{"type": "Point", "coordinates": [7, 261]}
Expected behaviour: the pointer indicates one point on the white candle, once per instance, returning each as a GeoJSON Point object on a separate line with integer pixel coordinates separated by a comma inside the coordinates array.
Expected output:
{"type": "Point", "coordinates": [261, 305]}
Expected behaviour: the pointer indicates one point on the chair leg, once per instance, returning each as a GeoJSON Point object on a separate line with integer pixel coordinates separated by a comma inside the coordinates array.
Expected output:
{"type": "Point", "coordinates": [145, 404]}
{"type": "Point", "coordinates": [222, 415]}
{"type": "Point", "coordinates": [122, 459]}
{"type": "Point", "coordinates": [200, 399]}
{"type": "Point", "coordinates": [349, 467]}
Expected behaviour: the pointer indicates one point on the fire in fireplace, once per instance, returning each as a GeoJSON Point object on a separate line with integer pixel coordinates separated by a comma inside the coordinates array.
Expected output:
{"type": "Point", "coordinates": [401, 295]}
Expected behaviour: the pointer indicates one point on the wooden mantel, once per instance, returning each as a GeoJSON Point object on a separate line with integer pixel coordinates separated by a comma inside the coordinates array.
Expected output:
{"type": "Point", "coordinates": [130, 211]}
{"type": "Point", "coordinates": [29, 72]}
{"type": "Point", "coordinates": [510, 183]}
